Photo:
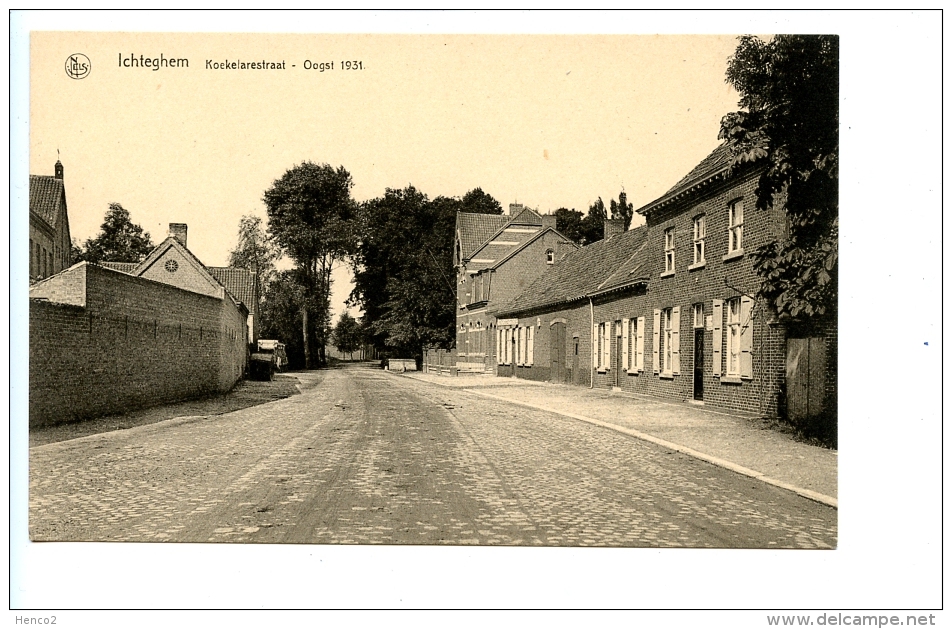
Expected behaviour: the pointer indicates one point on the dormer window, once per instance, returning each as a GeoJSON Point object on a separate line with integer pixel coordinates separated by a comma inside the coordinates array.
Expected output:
{"type": "Point", "coordinates": [549, 256]}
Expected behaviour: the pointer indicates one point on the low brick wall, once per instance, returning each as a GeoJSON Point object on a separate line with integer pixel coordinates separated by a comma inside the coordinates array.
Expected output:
{"type": "Point", "coordinates": [442, 362]}
{"type": "Point", "coordinates": [124, 342]}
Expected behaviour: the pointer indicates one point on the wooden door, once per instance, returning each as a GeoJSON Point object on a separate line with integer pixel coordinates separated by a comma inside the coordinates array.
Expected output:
{"type": "Point", "coordinates": [557, 352]}
{"type": "Point", "coordinates": [698, 363]}
{"type": "Point", "coordinates": [806, 377]}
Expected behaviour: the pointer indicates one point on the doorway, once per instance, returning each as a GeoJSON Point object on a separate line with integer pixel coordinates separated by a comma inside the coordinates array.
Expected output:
{"type": "Point", "coordinates": [557, 351]}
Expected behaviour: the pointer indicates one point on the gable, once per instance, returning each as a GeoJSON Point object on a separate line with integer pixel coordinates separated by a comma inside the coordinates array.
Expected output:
{"type": "Point", "coordinates": [171, 263]}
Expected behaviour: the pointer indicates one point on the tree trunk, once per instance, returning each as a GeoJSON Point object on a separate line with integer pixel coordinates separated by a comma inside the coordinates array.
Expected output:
{"type": "Point", "coordinates": [307, 342]}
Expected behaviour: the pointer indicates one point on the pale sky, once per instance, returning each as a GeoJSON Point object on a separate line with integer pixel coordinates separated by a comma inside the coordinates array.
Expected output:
{"type": "Point", "coordinates": [547, 121]}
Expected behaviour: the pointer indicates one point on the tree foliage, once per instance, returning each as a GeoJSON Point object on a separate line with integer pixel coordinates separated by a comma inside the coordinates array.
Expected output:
{"type": "Point", "coordinates": [347, 334]}
{"type": "Point", "coordinates": [789, 88]}
{"type": "Point", "coordinates": [282, 309]}
{"type": "Point", "coordinates": [622, 209]}
{"type": "Point", "coordinates": [403, 270]}
{"type": "Point", "coordinates": [255, 251]}
{"type": "Point", "coordinates": [584, 230]}
{"type": "Point", "coordinates": [311, 216]}
{"type": "Point", "coordinates": [478, 202]}
{"type": "Point", "coordinates": [119, 239]}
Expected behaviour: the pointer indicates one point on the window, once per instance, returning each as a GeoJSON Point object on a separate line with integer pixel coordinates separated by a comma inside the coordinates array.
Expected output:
{"type": "Point", "coordinates": [669, 250]}
{"type": "Point", "coordinates": [733, 336]}
{"type": "Point", "coordinates": [549, 256]}
{"type": "Point", "coordinates": [604, 346]}
{"type": "Point", "coordinates": [530, 344]}
{"type": "Point", "coordinates": [698, 315]}
{"type": "Point", "coordinates": [736, 228]}
{"type": "Point", "coordinates": [633, 344]}
{"type": "Point", "coordinates": [700, 231]}
{"type": "Point", "coordinates": [666, 335]}
{"type": "Point", "coordinates": [666, 339]}
{"type": "Point", "coordinates": [499, 359]}
{"type": "Point", "coordinates": [739, 332]}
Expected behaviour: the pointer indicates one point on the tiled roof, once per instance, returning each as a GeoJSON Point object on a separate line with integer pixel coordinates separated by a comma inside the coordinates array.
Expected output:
{"type": "Point", "coordinates": [597, 267]}
{"type": "Point", "coordinates": [125, 267]}
{"type": "Point", "coordinates": [715, 164]}
{"type": "Point", "coordinates": [475, 229]}
{"type": "Point", "coordinates": [46, 193]}
{"type": "Point", "coordinates": [718, 160]}
{"type": "Point", "coordinates": [239, 282]}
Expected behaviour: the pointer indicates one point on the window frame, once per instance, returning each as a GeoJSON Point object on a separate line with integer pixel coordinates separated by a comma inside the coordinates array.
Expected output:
{"type": "Point", "coordinates": [735, 228]}
{"type": "Point", "coordinates": [700, 234]}
{"type": "Point", "coordinates": [669, 260]}
{"type": "Point", "coordinates": [667, 356]}
{"type": "Point", "coordinates": [733, 329]}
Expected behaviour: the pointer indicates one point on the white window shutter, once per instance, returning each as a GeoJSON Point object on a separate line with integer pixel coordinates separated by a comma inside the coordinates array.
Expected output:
{"type": "Point", "coordinates": [746, 337]}
{"type": "Point", "coordinates": [625, 339]}
{"type": "Point", "coordinates": [676, 340]}
{"type": "Point", "coordinates": [640, 345]}
{"type": "Point", "coordinates": [718, 316]}
{"type": "Point", "coordinates": [609, 341]}
{"type": "Point", "coordinates": [530, 344]}
{"type": "Point", "coordinates": [656, 340]}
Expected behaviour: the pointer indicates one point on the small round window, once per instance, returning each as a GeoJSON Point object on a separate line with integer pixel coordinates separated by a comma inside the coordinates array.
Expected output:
{"type": "Point", "coordinates": [171, 266]}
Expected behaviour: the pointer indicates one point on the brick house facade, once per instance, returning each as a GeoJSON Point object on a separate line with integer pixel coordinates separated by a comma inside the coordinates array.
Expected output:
{"type": "Point", "coordinates": [497, 257]}
{"type": "Point", "coordinates": [49, 225]}
{"type": "Point", "coordinates": [670, 309]}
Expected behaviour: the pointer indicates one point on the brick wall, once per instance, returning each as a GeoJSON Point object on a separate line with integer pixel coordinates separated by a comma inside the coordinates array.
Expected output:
{"type": "Point", "coordinates": [125, 342]}
{"type": "Point", "coordinates": [722, 277]}
{"type": "Point", "coordinates": [476, 331]}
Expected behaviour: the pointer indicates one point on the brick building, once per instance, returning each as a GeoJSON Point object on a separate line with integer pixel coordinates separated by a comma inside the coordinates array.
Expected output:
{"type": "Point", "coordinates": [171, 262]}
{"type": "Point", "coordinates": [496, 258]}
{"type": "Point", "coordinates": [546, 332]}
{"type": "Point", "coordinates": [49, 225]}
{"type": "Point", "coordinates": [105, 340]}
{"type": "Point", "coordinates": [670, 309]}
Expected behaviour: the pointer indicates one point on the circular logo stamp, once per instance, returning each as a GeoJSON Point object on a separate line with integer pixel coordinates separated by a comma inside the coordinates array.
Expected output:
{"type": "Point", "coordinates": [78, 66]}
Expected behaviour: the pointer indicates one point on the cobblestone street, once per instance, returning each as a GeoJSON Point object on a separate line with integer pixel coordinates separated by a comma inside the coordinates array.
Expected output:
{"type": "Point", "coordinates": [371, 458]}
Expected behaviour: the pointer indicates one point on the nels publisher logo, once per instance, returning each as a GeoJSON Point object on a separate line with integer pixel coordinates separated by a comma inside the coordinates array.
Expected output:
{"type": "Point", "coordinates": [78, 66]}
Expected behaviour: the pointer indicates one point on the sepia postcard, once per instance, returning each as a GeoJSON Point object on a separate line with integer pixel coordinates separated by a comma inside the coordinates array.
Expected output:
{"type": "Point", "coordinates": [441, 297]}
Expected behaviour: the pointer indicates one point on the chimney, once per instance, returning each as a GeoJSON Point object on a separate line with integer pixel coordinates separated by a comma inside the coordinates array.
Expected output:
{"type": "Point", "coordinates": [58, 170]}
{"type": "Point", "coordinates": [614, 226]}
{"type": "Point", "coordinates": [548, 220]}
{"type": "Point", "coordinates": [180, 231]}
{"type": "Point", "coordinates": [515, 208]}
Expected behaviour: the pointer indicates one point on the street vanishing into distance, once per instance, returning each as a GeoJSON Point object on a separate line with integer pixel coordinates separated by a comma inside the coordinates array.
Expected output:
{"type": "Point", "coordinates": [363, 456]}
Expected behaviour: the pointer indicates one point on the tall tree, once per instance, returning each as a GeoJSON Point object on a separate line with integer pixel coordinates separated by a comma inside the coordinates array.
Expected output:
{"type": "Point", "coordinates": [403, 270]}
{"type": "Point", "coordinates": [311, 215]}
{"type": "Point", "coordinates": [593, 225]}
{"type": "Point", "coordinates": [478, 202]}
{"type": "Point", "coordinates": [255, 251]}
{"type": "Point", "coordinates": [622, 209]}
{"type": "Point", "coordinates": [789, 118]}
{"type": "Point", "coordinates": [347, 334]}
{"type": "Point", "coordinates": [282, 311]}
{"type": "Point", "coordinates": [119, 239]}
{"type": "Point", "coordinates": [569, 223]}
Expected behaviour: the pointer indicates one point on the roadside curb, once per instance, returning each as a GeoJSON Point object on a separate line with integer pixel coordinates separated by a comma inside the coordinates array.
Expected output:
{"type": "Point", "coordinates": [734, 467]}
